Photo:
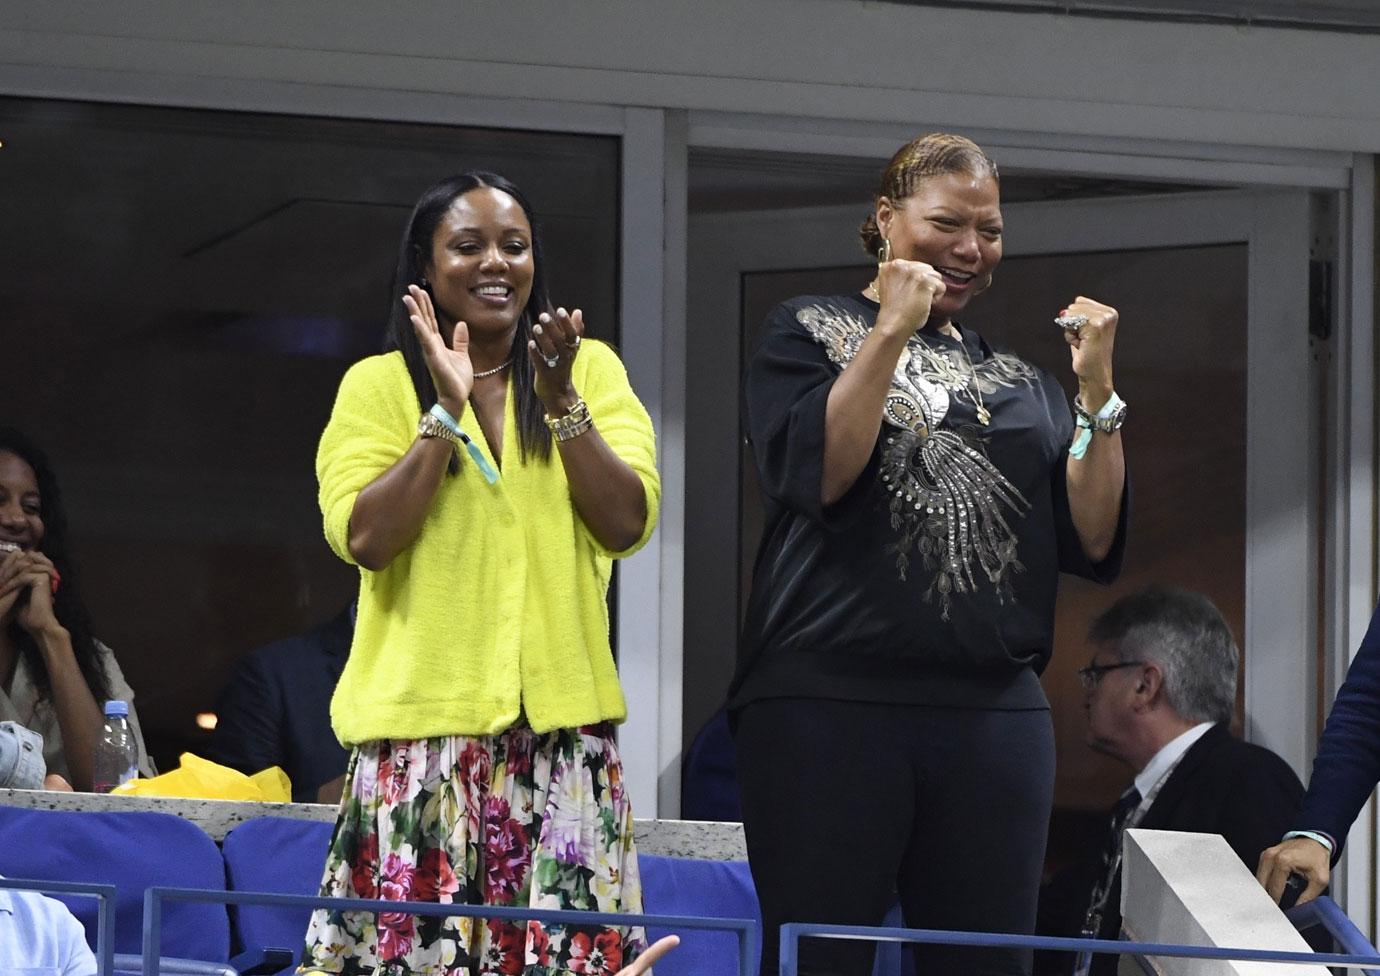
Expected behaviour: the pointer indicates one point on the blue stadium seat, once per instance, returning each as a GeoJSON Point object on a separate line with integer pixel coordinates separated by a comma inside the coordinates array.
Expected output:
{"type": "Point", "coordinates": [278, 855]}
{"type": "Point", "coordinates": [132, 851]}
{"type": "Point", "coordinates": [722, 889]}
{"type": "Point", "coordinates": [715, 889]}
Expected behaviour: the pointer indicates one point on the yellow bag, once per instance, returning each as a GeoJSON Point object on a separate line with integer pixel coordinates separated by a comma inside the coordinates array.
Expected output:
{"type": "Point", "coordinates": [201, 779]}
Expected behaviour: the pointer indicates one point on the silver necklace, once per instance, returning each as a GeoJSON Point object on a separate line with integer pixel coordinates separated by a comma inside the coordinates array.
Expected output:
{"type": "Point", "coordinates": [497, 369]}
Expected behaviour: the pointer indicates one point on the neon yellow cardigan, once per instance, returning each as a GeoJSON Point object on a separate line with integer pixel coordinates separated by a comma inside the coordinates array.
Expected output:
{"type": "Point", "coordinates": [500, 603]}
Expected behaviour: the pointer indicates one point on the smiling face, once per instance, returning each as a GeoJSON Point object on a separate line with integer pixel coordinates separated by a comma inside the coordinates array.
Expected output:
{"type": "Point", "coordinates": [481, 265]}
{"type": "Point", "coordinates": [21, 518]}
{"type": "Point", "coordinates": [951, 222]}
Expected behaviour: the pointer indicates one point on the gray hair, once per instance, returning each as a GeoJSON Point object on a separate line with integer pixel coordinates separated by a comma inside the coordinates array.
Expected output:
{"type": "Point", "coordinates": [1184, 634]}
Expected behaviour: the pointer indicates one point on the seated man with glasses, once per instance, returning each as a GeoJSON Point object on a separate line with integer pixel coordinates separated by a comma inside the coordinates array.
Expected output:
{"type": "Point", "coordinates": [1160, 695]}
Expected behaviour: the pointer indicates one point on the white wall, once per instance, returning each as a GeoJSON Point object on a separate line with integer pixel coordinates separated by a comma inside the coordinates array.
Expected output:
{"type": "Point", "coordinates": [842, 59]}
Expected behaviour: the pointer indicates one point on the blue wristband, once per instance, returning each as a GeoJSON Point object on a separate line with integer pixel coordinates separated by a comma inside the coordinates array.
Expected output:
{"type": "Point", "coordinates": [452, 425]}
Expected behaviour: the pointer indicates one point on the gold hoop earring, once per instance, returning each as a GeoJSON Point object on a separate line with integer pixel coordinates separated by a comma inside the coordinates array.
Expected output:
{"type": "Point", "coordinates": [884, 252]}
{"type": "Point", "coordinates": [986, 283]}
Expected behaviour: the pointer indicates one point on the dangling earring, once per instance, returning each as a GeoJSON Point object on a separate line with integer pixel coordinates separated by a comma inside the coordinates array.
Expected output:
{"type": "Point", "coordinates": [883, 256]}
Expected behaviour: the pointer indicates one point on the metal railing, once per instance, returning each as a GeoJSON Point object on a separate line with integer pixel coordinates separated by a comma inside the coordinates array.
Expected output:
{"type": "Point", "coordinates": [1356, 952]}
{"type": "Point", "coordinates": [747, 930]}
{"type": "Point", "coordinates": [1327, 913]}
{"type": "Point", "coordinates": [792, 933]}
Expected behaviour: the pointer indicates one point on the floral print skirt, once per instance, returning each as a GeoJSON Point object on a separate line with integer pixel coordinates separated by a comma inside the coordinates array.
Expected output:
{"type": "Point", "coordinates": [518, 818]}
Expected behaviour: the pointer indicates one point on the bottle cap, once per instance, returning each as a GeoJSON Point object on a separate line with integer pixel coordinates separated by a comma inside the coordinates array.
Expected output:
{"type": "Point", "coordinates": [116, 708]}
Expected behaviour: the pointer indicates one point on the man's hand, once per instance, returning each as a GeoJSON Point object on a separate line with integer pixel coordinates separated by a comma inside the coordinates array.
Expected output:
{"type": "Point", "coordinates": [1297, 855]}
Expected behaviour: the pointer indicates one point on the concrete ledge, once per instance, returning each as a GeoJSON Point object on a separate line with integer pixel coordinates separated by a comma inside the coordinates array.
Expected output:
{"type": "Point", "coordinates": [666, 838]}
{"type": "Point", "coordinates": [1192, 889]}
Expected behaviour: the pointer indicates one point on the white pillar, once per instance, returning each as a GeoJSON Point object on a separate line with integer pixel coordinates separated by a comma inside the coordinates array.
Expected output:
{"type": "Point", "coordinates": [650, 584]}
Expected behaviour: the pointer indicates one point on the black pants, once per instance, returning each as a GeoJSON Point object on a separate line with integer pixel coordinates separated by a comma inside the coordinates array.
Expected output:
{"type": "Point", "coordinates": [849, 805]}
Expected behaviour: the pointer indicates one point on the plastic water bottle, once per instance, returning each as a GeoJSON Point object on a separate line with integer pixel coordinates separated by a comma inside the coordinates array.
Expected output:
{"type": "Point", "coordinates": [117, 757]}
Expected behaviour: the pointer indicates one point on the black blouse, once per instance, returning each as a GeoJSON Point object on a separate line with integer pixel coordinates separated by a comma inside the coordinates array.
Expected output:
{"type": "Point", "coordinates": [932, 581]}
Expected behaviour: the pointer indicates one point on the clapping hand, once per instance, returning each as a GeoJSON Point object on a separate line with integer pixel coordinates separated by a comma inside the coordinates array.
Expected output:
{"type": "Point", "coordinates": [554, 344]}
{"type": "Point", "coordinates": [451, 370]}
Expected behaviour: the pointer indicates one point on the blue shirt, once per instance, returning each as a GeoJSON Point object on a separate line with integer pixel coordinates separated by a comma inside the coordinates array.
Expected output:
{"type": "Point", "coordinates": [40, 937]}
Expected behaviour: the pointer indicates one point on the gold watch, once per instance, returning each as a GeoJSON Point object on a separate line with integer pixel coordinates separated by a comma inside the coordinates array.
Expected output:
{"type": "Point", "coordinates": [430, 426]}
{"type": "Point", "coordinates": [573, 424]}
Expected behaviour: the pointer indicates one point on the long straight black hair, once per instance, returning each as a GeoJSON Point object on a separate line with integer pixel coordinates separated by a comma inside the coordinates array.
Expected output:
{"type": "Point", "coordinates": [414, 255]}
{"type": "Point", "coordinates": [67, 603]}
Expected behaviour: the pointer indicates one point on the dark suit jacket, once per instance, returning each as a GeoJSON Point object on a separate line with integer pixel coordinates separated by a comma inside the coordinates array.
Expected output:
{"type": "Point", "coordinates": [276, 709]}
{"type": "Point", "coordinates": [1347, 766]}
{"type": "Point", "coordinates": [1221, 786]}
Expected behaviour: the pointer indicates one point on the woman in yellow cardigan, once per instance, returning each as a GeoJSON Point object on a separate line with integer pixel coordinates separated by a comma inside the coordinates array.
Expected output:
{"type": "Point", "coordinates": [483, 473]}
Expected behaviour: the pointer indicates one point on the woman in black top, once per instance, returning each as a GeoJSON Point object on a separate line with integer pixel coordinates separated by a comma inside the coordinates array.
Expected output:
{"type": "Point", "coordinates": [923, 492]}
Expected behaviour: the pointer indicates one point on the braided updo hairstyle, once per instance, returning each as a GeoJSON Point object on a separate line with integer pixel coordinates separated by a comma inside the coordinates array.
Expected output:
{"type": "Point", "coordinates": [933, 154]}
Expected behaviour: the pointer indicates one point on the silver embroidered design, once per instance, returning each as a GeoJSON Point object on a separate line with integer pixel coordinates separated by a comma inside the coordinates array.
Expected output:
{"type": "Point", "coordinates": [948, 501]}
{"type": "Point", "coordinates": [839, 333]}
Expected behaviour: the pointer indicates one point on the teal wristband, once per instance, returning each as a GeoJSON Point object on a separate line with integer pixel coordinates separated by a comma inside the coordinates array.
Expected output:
{"type": "Point", "coordinates": [477, 456]}
{"type": "Point", "coordinates": [443, 415]}
{"type": "Point", "coordinates": [1109, 408]}
{"type": "Point", "coordinates": [1085, 422]}
{"type": "Point", "coordinates": [1081, 440]}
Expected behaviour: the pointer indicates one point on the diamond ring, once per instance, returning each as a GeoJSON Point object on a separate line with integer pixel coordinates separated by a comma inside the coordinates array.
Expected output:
{"type": "Point", "coordinates": [1071, 323]}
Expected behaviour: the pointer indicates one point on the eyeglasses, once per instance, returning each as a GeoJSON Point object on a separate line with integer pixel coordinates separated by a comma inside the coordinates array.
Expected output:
{"type": "Point", "coordinates": [1093, 673]}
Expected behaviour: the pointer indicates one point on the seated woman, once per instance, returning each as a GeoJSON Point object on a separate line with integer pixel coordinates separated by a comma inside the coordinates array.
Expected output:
{"type": "Point", "coordinates": [54, 676]}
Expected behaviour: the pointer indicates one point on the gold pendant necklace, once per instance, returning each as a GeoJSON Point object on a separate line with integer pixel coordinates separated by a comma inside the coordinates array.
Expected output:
{"type": "Point", "coordinates": [984, 415]}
